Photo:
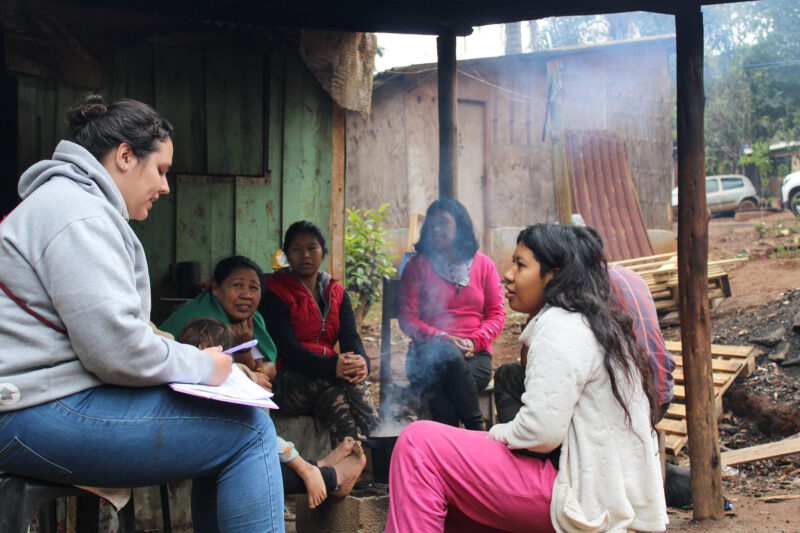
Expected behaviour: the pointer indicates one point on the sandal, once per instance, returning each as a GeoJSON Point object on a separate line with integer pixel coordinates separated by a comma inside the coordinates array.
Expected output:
{"type": "Point", "coordinates": [288, 515]}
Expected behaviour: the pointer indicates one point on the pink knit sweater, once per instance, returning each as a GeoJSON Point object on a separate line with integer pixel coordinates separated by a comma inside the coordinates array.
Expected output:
{"type": "Point", "coordinates": [429, 305]}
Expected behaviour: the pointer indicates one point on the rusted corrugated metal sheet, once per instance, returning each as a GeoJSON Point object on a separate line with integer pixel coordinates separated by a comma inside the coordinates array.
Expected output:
{"type": "Point", "coordinates": [603, 192]}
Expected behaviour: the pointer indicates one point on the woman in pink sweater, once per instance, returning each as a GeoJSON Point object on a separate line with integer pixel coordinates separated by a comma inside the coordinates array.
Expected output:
{"type": "Point", "coordinates": [451, 306]}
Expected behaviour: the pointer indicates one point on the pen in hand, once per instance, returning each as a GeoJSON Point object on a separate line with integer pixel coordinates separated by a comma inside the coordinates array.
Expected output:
{"type": "Point", "coordinates": [243, 346]}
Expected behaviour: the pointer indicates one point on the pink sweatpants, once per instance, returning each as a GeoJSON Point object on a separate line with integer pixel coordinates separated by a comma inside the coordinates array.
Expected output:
{"type": "Point", "coordinates": [448, 479]}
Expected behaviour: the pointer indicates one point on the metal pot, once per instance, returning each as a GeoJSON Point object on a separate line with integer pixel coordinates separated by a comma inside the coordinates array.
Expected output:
{"type": "Point", "coordinates": [382, 448]}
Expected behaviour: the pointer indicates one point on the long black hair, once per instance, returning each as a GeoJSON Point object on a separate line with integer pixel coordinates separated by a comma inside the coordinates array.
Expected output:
{"type": "Point", "coordinates": [581, 284]}
{"type": "Point", "coordinates": [465, 244]}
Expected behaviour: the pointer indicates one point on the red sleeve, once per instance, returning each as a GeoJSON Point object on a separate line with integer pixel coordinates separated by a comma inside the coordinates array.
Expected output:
{"type": "Point", "coordinates": [411, 284]}
{"type": "Point", "coordinates": [494, 311]}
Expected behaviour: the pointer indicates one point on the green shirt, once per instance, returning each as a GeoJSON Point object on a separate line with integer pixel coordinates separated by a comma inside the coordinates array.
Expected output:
{"type": "Point", "coordinates": [207, 305]}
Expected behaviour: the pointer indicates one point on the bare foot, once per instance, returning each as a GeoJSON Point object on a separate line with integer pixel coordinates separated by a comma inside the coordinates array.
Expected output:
{"type": "Point", "coordinates": [315, 485]}
{"type": "Point", "coordinates": [344, 449]}
{"type": "Point", "coordinates": [348, 470]}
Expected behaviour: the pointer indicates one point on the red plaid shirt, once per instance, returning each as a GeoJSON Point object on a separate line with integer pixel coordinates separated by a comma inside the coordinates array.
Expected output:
{"type": "Point", "coordinates": [636, 298]}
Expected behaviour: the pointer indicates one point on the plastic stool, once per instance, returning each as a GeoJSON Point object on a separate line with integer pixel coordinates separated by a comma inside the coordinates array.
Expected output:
{"type": "Point", "coordinates": [21, 498]}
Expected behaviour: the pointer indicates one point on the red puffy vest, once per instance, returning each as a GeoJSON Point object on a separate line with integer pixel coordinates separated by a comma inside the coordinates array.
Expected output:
{"type": "Point", "coordinates": [317, 333]}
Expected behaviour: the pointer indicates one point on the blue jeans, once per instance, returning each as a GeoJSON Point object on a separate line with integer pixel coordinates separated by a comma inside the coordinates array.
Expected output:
{"type": "Point", "coordinates": [128, 437]}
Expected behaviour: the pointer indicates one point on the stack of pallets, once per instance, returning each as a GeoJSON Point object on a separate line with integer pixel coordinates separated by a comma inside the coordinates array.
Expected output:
{"type": "Point", "coordinates": [660, 272]}
{"type": "Point", "coordinates": [727, 363]}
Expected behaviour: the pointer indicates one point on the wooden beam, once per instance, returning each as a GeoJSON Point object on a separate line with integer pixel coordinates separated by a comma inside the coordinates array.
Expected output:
{"type": "Point", "coordinates": [337, 220]}
{"type": "Point", "coordinates": [448, 113]}
{"type": "Point", "coordinates": [557, 143]}
{"type": "Point", "coordinates": [693, 269]}
{"type": "Point", "coordinates": [762, 451]}
{"type": "Point", "coordinates": [778, 498]}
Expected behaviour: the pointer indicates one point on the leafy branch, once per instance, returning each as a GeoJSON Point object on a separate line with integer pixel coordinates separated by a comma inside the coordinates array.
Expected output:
{"type": "Point", "coordinates": [367, 260]}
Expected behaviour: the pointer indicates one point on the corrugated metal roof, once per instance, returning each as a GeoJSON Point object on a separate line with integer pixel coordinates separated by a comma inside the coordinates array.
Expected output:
{"type": "Point", "coordinates": [603, 193]}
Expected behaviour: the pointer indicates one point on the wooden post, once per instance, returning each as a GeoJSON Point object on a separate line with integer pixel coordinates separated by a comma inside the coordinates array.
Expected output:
{"type": "Point", "coordinates": [693, 269]}
{"type": "Point", "coordinates": [337, 220]}
{"type": "Point", "coordinates": [448, 112]}
{"type": "Point", "coordinates": [558, 149]}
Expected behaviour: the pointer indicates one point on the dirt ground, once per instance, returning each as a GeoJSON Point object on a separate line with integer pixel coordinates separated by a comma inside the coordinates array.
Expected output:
{"type": "Point", "coordinates": [761, 408]}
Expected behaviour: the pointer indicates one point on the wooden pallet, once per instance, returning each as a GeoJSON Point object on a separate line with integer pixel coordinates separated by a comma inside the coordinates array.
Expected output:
{"type": "Point", "coordinates": [727, 363]}
{"type": "Point", "coordinates": [660, 272]}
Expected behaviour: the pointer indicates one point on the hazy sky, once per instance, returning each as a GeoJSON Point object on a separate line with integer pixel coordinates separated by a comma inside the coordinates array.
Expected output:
{"type": "Point", "coordinates": [400, 50]}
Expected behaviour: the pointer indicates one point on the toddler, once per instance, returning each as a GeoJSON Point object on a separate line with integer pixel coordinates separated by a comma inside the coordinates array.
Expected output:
{"type": "Point", "coordinates": [335, 474]}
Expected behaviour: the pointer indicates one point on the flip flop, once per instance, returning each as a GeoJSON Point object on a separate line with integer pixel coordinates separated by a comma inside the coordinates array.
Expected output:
{"type": "Point", "coordinates": [288, 515]}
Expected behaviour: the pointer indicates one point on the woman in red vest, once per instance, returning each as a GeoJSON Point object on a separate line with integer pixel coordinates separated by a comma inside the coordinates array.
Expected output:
{"type": "Point", "coordinates": [307, 312]}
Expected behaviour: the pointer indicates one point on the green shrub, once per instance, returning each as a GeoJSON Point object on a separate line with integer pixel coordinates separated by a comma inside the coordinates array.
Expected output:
{"type": "Point", "coordinates": [760, 228]}
{"type": "Point", "coordinates": [366, 259]}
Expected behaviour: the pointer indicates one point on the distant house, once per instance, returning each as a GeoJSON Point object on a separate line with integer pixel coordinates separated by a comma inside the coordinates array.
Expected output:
{"type": "Point", "coordinates": [505, 164]}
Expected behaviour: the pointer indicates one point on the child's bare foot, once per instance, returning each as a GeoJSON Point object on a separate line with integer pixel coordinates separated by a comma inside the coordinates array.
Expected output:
{"type": "Point", "coordinates": [315, 485]}
{"type": "Point", "coordinates": [344, 449]}
{"type": "Point", "coordinates": [348, 470]}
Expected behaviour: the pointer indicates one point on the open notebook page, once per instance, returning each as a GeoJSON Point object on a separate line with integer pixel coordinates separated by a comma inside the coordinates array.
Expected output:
{"type": "Point", "coordinates": [238, 388]}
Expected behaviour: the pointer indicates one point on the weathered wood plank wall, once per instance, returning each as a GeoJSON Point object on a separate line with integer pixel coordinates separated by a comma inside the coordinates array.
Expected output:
{"type": "Point", "coordinates": [253, 147]}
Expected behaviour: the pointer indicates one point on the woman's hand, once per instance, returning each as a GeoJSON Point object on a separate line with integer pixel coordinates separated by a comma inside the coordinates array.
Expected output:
{"type": "Point", "coordinates": [256, 377]}
{"type": "Point", "coordinates": [265, 371]}
{"type": "Point", "coordinates": [467, 346]}
{"type": "Point", "coordinates": [222, 365]}
{"type": "Point", "coordinates": [263, 381]}
{"type": "Point", "coordinates": [242, 331]}
{"type": "Point", "coordinates": [268, 368]}
{"type": "Point", "coordinates": [351, 367]}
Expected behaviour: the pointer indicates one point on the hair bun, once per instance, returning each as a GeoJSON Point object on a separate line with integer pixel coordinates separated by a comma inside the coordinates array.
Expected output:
{"type": "Point", "coordinates": [88, 108]}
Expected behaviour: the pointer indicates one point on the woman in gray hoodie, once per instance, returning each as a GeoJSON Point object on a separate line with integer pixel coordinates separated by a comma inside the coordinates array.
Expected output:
{"type": "Point", "coordinates": [82, 375]}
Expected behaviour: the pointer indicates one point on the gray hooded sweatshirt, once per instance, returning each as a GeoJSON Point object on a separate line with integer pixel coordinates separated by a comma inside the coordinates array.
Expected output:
{"type": "Point", "coordinates": [68, 252]}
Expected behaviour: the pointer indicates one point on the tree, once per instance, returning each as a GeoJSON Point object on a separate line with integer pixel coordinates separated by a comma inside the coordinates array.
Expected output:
{"type": "Point", "coordinates": [569, 31]}
{"type": "Point", "coordinates": [513, 38]}
{"type": "Point", "coordinates": [533, 34]}
{"type": "Point", "coordinates": [773, 66]}
{"type": "Point", "coordinates": [752, 68]}
{"type": "Point", "coordinates": [367, 260]}
{"type": "Point", "coordinates": [729, 123]}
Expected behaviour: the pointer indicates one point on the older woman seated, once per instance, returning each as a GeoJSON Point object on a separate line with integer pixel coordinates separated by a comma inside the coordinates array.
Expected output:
{"type": "Point", "coordinates": [233, 299]}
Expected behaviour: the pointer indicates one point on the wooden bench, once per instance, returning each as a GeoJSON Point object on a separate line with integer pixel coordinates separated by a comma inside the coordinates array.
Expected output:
{"type": "Point", "coordinates": [391, 289]}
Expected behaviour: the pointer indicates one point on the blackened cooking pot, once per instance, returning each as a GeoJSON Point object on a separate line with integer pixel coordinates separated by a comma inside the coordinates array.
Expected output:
{"type": "Point", "coordinates": [382, 448]}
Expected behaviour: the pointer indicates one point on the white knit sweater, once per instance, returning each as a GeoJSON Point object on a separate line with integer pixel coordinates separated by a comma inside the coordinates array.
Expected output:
{"type": "Point", "coordinates": [609, 476]}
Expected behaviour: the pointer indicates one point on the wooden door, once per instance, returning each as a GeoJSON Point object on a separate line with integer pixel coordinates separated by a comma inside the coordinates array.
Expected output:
{"type": "Point", "coordinates": [471, 181]}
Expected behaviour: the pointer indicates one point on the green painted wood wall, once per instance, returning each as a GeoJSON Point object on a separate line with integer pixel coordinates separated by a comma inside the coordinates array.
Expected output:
{"type": "Point", "coordinates": [253, 138]}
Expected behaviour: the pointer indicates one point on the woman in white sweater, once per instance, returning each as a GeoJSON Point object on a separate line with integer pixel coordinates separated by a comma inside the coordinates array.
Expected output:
{"type": "Point", "coordinates": [581, 454]}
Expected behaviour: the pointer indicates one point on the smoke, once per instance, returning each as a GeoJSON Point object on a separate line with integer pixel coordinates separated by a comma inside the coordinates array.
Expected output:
{"type": "Point", "coordinates": [400, 405]}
